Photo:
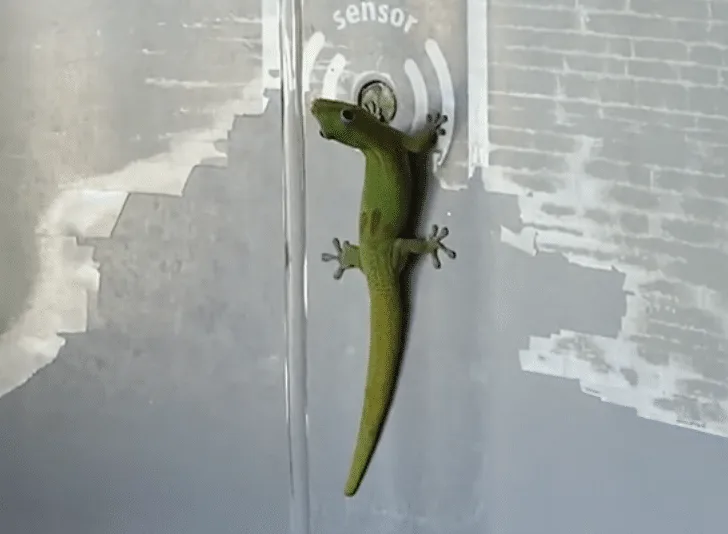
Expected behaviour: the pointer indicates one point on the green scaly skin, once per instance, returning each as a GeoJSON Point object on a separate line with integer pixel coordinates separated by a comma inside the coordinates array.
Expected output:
{"type": "Point", "coordinates": [381, 254]}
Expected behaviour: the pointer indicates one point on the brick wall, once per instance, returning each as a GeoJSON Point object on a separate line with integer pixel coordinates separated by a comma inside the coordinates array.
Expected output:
{"type": "Point", "coordinates": [609, 120]}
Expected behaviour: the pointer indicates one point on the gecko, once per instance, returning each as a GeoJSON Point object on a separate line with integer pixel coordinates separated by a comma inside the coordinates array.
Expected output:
{"type": "Point", "coordinates": [382, 252]}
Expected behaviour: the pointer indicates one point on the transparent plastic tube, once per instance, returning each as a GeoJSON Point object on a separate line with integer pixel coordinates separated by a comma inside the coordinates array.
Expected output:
{"type": "Point", "coordinates": [294, 222]}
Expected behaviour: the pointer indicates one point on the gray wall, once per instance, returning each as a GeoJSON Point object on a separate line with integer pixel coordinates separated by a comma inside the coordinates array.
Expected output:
{"type": "Point", "coordinates": [611, 118]}
{"type": "Point", "coordinates": [589, 239]}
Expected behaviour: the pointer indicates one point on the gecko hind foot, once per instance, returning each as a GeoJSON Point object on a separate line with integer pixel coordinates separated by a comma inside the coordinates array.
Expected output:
{"type": "Point", "coordinates": [347, 256]}
{"type": "Point", "coordinates": [435, 240]}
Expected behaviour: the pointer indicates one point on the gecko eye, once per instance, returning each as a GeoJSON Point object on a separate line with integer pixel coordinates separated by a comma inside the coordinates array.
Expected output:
{"type": "Point", "coordinates": [347, 116]}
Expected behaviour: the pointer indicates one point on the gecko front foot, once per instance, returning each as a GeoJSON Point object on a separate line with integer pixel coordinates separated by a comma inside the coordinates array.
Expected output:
{"type": "Point", "coordinates": [430, 245]}
{"type": "Point", "coordinates": [435, 121]}
{"type": "Point", "coordinates": [347, 256]}
{"type": "Point", "coordinates": [427, 138]}
{"type": "Point", "coordinates": [434, 242]}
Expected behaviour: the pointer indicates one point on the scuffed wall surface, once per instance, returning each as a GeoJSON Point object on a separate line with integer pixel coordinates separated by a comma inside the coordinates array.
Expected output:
{"type": "Point", "coordinates": [75, 144]}
{"type": "Point", "coordinates": [131, 214]}
{"type": "Point", "coordinates": [609, 121]}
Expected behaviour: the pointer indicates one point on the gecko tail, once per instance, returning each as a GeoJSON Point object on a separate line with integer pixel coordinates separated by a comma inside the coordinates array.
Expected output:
{"type": "Point", "coordinates": [384, 355]}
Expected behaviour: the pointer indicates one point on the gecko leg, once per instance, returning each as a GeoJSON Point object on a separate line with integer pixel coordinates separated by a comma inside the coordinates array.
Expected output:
{"type": "Point", "coordinates": [347, 256]}
{"type": "Point", "coordinates": [432, 245]}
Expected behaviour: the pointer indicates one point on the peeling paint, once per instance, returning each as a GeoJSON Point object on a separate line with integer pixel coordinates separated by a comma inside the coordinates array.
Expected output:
{"type": "Point", "coordinates": [69, 279]}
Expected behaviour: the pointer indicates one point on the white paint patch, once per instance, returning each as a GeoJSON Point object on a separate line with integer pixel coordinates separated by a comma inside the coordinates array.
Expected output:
{"type": "Point", "coordinates": [90, 208]}
{"type": "Point", "coordinates": [191, 84]}
{"type": "Point", "coordinates": [419, 90]}
{"type": "Point", "coordinates": [612, 369]}
{"type": "Point", "coordinates": [478, 126]}
{"type": "Point", "coordinates": [525, 241]}
{"type": "Point", "coordinates": [270, 21]}
{"type": "Point", "coordinates": [330, 85]}
{"type": "Point", "coordinates": [83, 212]}
{"type": "Point", "coordinates": [245, 20]}
{"type": "Point", "coordinates": [447, 95]}
{"type": "Point", "coordinates": [311, 52]}
{"type": "Point", "coordinates": [68, 278]}
{"type": "Point", "coordinates": [577, 190]}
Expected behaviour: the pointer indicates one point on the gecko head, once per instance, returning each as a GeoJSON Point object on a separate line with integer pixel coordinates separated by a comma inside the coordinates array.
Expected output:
{"type": "Point", "coordinates": [347, 123]}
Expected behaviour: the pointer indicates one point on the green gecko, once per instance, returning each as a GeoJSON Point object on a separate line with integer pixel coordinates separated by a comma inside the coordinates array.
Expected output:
{"type": "Point", "coordinates": [381, 254]}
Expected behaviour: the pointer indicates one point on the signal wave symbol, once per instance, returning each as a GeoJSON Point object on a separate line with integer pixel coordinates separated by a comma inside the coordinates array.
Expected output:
{"type": "Point", "coordinates": [335, 69]}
